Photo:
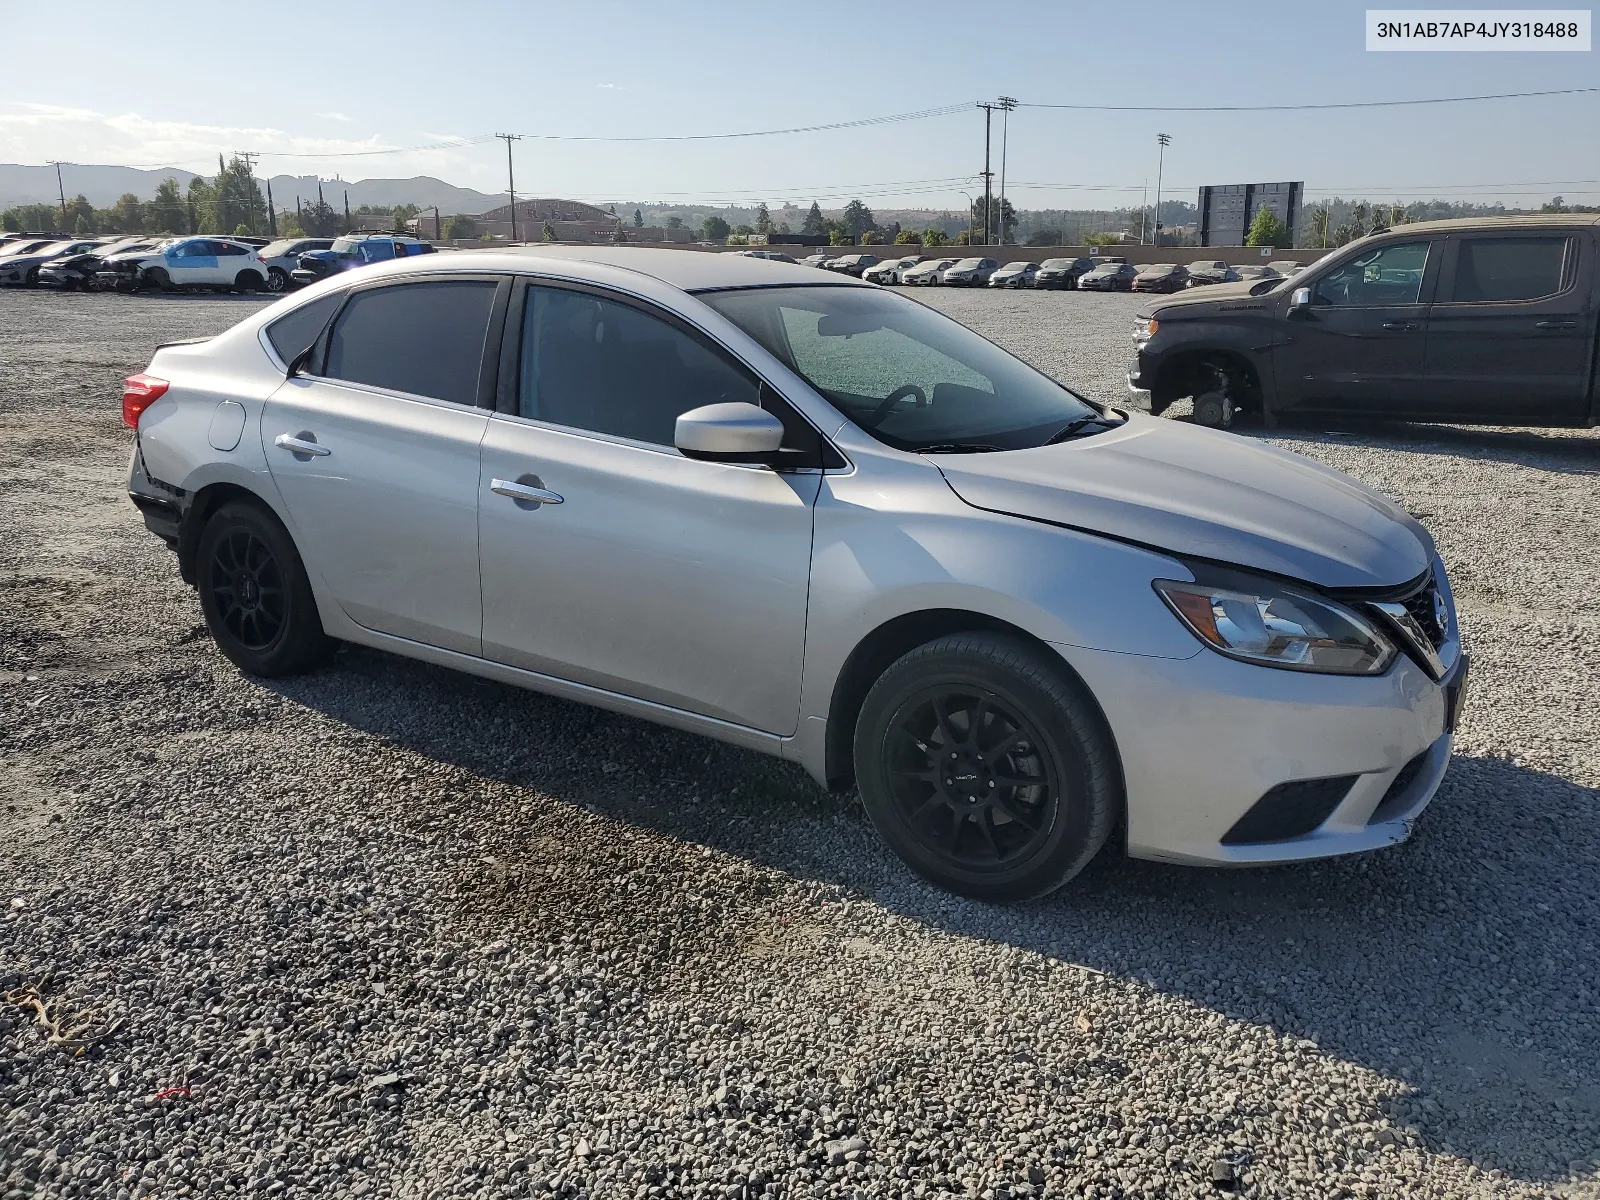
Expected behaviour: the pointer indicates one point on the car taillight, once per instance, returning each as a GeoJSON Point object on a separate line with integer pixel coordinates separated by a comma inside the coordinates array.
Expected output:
{"type": "Point", "coordinates": [139, 392]}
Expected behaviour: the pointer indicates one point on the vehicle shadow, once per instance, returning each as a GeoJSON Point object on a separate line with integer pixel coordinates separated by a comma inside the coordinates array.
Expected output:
{"type": "Point", "coordinates": [1462, 962]}
{"type": "Point", "coordinates": [1567, 451]}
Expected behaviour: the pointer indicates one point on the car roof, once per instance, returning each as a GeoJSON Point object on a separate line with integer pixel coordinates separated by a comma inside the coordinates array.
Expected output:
{"type": "Point", "coordinates": [689, 270]}
{"type": "Point", "coordinates": [1522, 221]}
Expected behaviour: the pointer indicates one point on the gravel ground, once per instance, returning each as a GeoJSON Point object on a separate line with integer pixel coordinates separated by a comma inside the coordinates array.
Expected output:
{"type": "Point", "coordinates": [387, 931]}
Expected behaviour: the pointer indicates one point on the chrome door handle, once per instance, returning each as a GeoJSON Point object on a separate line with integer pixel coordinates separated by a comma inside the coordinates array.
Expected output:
{"type": "Point", "coordinates": [299, 445]}
{"type": "Point", "coordinates": [1555, 324]}
{"type": "Point", "coordinates": [1399, 324]}
{"type": "Point", "coordinates": [526, 492]}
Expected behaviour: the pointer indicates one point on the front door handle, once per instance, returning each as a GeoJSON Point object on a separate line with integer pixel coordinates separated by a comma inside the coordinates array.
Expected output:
{"type": "Point", "coordinates": [303, 444]}
{"type": "Point", "coordinates": [1408, 325]}
{"type": "Point", "coordinates": [528, 490]}
{"type": "Point", "coordinates": [1555, 324]}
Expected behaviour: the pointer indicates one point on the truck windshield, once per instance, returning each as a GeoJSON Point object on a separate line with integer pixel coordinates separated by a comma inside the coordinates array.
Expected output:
{"type": "Point", "coordinates": [911, 377]}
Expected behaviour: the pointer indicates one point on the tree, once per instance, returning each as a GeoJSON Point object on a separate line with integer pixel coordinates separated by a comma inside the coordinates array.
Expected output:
{"type": "Point", "coordinates": [869, 238]}
{"type": "Point", "coordinates": [857, 218]}
{"type": "Point", "coordinates": [238, 199]}
{"type": "Point", "coordinates": [674, 222]}
{"type": "Point", "coordinates": [548, 233]}
{"type": "Point", "coordinates": [745, 230]}
{"type": "Point", "coordinates": [202, 203]}
{"type": "Point", "coordinates": [619, 234]}
{"type": "Point", "coordinates": [837, 236]}
{"type": "Point", "coordinates": [166, 214]}
{"type": "Point", "coordinates": [933, 236]}
{"type": "Point", "coordinates": [638, 219]}
{"type": "Point", "coordinates": [1266, 229]}
{"type": "Point", "coordinates": [127, 214]}
{"type": "Point", "coordinates": [814, 224]}
{"type": "Point", "coordinates": [907, 238]}
{"type": "Point", "coordinates": [1001, 213]}
{"type": "Point", "coordinates": [459, 226]}
{"type": "Point", "coordinates": [82, 226]}
{"type": "Point", "coordinates": [402, 213]}
{"type": "Point", "coordinates": [763, 218]}
{"type": "Point", "coordinates": [321, 219]}
{"type": "Point", "coordinates": [714, 229]}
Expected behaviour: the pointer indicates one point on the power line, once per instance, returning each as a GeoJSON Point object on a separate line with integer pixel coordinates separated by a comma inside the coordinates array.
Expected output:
{"type": "Point", "coordinates": [1169, 108]}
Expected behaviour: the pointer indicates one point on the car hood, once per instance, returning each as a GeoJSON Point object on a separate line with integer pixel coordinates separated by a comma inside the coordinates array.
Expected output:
{"type": "Point", "coordinates": [1198, 302]}
{"type": "Point", "coordinates": [1206, 494]}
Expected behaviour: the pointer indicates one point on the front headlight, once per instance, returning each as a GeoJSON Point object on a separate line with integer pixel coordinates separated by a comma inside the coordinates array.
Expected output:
{"type": "Point", "coordinates": [1277, 626]}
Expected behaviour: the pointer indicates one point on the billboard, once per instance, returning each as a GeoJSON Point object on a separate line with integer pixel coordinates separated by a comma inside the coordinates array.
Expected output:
{"type": "Point", "coordinates": [1226, 210]}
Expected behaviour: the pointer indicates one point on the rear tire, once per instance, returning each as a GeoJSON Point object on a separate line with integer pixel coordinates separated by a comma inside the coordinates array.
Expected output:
{"type": "Point", "coordinates": [255, 594]}
{"type": "Point", "coordinates": [986, 768]}
{"type": "Point", "coordinates": [249, 281]}
{"type": "Point", "coordinates": [277, 280]}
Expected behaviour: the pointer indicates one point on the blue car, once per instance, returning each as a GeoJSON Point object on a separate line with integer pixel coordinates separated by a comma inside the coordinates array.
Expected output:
{"type": "Point", "coordinates": [356, 250]}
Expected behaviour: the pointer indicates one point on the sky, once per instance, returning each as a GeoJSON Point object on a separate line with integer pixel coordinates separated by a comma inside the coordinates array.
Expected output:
{"type": "Point", "coordinates": [316, 88]}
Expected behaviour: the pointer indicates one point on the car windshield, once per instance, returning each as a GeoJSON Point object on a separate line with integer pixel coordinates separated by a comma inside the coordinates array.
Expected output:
{"type": "Point", "coordinates": [911, 377]}
{"type": "Point", "coordinates": [970, 262]}
{"type": "Point", "coordinates": [1107, 269]}
{"type": "Point", "coordinates": [1056, 264]}
{"type": "Point", "coordinates": [1162, 268]}
{"type": "Point", "coordinates": [274, 249]}
{"type": "Point", "coordinates": [1017, 266]}
{"type": "Point", "coordinates": [344, 245]}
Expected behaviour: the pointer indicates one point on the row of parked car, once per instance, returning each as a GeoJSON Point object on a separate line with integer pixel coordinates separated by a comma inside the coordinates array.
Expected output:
{"type": "Point", "coordinates": [156, 263]}
{"type": "Point", "coordinates": [1105, 273]}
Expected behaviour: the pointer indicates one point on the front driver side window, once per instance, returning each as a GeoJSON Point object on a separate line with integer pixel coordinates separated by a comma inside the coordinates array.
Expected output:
{"type": "Point", "coordinates": [594, 364]}
{"type": "Point", "coordinates": [1380, 278]}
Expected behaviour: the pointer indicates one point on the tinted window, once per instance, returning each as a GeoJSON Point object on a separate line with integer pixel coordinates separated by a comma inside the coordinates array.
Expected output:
{"type": "Point", "coordinates": [292, 335]}
{"type": "Point", "coordinates": [594, 364]}
{"type": "Point", "coordinates": [1390, 274]}
{"type": "Point", "coordinates": [422, 338]}
{"type": "Point", "coordinates": [229, 248]}
{"type": "Point", "coordinates": [377, 251]}
{"type": "Point", "coordinates": [1491, 269]}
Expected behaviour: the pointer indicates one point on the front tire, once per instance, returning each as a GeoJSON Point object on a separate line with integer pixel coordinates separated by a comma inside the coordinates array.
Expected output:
{"type": "Point", "coordinates": [248, 281]}
{"type": "Point", "coordinates": [255, 594]}
{"type": "Point", "coordinates": [277, 280]}
{"type": "Point", "coordinates": [986, 768]}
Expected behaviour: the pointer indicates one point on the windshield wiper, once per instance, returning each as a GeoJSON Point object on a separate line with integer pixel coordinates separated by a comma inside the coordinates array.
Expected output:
{"type": "Point", "coordinates": [1080, 424]}
{"type": "Point", "coordinates": [958, 448]}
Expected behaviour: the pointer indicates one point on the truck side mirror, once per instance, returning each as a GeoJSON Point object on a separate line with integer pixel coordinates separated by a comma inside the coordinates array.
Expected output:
{"type": "Point", "coordinates": [1300, 300]}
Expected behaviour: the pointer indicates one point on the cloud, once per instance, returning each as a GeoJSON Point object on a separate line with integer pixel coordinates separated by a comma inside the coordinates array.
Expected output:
{"type": "Point", "coordinates": [611, 87]}
{"type": "Point", "coordinates": [36, 133]}
{"type": "Point", "coordinates": [335, 116]}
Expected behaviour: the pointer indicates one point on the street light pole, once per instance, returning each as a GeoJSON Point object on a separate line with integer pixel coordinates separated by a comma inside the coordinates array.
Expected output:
{"type": "Point", "coordinates": [1007, 103]}
{"type": "Point", "coordinates": [1164, 141]}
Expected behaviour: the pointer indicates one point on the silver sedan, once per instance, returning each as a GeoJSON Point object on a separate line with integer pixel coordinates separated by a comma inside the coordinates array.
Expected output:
{"type": "Point", "coordinates": [820, 521]}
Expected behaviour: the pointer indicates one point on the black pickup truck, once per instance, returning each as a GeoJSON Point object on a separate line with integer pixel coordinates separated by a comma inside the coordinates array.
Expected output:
{"type": "Point", "coordinates": [1485, 321]}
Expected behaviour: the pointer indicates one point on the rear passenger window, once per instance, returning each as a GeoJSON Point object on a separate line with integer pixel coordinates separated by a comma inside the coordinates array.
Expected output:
{"type": "Point", "coordinates": [294, 334]}
{"type": "Point", "coordinates": [422, 338]}
{"type": "Point", "coordinates": [605, 367]}
{"type": "Point", "coordinates": [1501, 269]}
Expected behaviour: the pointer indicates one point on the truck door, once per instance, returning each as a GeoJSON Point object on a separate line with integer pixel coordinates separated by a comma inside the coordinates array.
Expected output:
{"type": "Point", "coordinates": [1512, 328]}
{"type": "Point", "coordinates": [1360, 347]}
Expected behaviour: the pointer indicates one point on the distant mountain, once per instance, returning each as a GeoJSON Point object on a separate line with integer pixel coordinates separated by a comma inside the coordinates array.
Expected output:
{"type": "Point", "coordinates": [104, 184]}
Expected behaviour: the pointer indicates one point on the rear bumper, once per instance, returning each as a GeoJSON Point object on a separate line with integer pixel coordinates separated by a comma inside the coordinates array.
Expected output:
{"type": "Point", "coordinates": [1204, 740]}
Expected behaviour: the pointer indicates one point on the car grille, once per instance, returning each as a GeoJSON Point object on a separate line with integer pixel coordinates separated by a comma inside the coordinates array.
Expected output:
{"type": "Point", "coordinates": [1424, 611]}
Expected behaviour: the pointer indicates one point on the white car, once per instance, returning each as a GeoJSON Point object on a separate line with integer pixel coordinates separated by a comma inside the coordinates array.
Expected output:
{"type": "Point", "coordinates": [891, 270]}
{"type": "Point", "coordinates": [283, 256]}
{"type": "Point", "coordinates": [816, 519]}
{"type": "Point", "coordinates": [208, 261]}
{"type": "Point", "coordinates": [928, 273]}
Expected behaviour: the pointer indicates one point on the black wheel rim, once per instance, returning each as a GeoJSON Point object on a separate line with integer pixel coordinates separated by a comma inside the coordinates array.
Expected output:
{"type": "Point", "coordinates": [969, 779]}
{"type": "Point", "coordinates": [247, 589]}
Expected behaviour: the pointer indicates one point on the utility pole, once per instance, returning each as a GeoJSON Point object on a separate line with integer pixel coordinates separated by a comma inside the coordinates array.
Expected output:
{"type": "Point", "coordinates": [988, 114]}
{"type": "Point", "coordinates": [61, 187]}
{"type": "Point", "coordinates": [1144, 208]}
{"type": "Point", "coordinates": [249, 157]}
{"type": "Point", "coordinates": [511, 181]}
{"type": "Point", "coordinates": [1007, 103]}
{"type": "Point", "coordinates": [1164, 141]}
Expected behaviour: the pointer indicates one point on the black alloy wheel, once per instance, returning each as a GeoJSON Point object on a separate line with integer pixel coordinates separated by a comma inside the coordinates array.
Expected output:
{"type": "Point", "coordinates": [255, 593]}
{"type": "Point", "coordinates": [247, 588]}
{"type": "Point", "coordinates": [967, 777]}
{"type": "Point", "coordinates": [987, 767]}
